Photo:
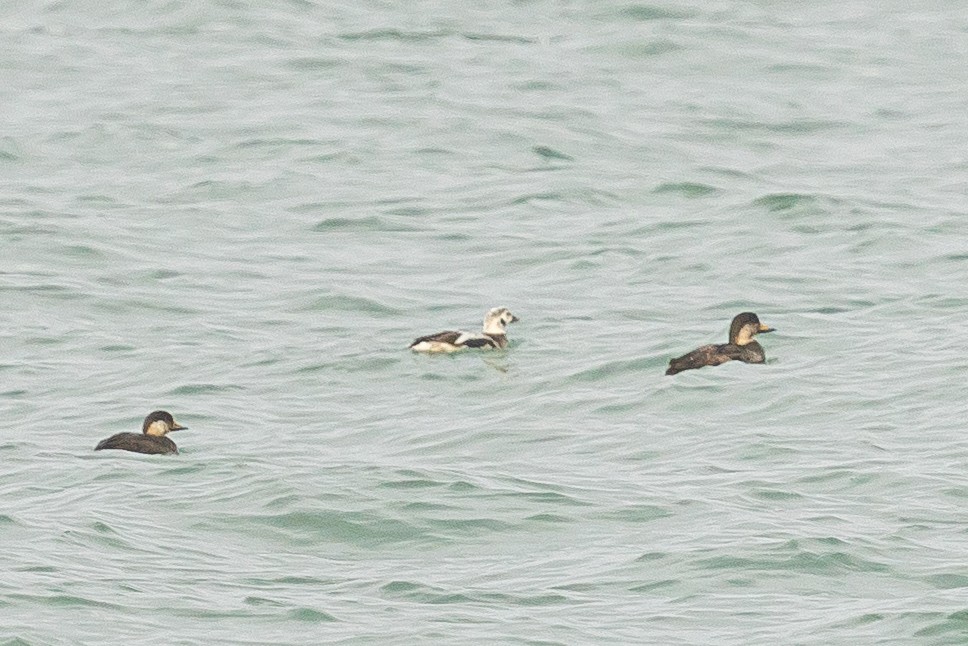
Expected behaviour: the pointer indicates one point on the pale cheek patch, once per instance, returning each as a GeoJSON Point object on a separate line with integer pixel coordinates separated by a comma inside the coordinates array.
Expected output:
{"type": "Point", "coordinates": [744, 337]}
{"type": "Point", "coordinates": [157, 428]}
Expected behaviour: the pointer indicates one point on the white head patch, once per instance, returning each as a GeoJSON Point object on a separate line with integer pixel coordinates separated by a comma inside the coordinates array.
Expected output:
{"type": "Point", "coordinates": [496, 320]}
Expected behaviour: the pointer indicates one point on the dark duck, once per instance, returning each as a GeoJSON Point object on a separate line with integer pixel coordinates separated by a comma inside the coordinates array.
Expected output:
{"type": "Point", "coordinates": [152, 439]}
{"type": "Point", "coordinates": [741, 347]}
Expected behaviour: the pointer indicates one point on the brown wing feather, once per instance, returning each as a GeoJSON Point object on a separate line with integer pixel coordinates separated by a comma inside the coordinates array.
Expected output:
{"type": "Point", "coordinates": [449, 336]}
{"type": "Point", "coordinates": [137, 442]}
{"type": "Point", "coordinates": [707, 355]}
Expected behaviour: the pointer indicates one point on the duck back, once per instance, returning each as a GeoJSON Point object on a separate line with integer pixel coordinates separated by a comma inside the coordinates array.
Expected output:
{"type": "Point", "coordinates": [138, 443]}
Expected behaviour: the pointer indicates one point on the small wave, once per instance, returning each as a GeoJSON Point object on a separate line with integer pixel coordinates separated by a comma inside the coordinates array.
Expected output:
{"type": "Point", "coordinates": [411, 484]}
{"type": "Point", "coordinates": [471, 526]}
{"type": "Point", "coordinates": [636, 514]}
{"type": "Point", "coordinates": [549, 518]}
{"type": "Point", "coordinates": [208, 190]}
{"type": "Point", "coordinates": [65, 601]}
{"type": "Point", "coordinates": [795, 126]}
{"type": "Point", "coordinates": [784, 201]}
{"type": "Point", "coordinates": [275, 143]}
{"type": "Point", "coordinates": [340, 303]}
{"type": "Point", "coordinates": [370, 223]}
{"type": "Point", "coordinates": [956, 623]}
{"type": "Point", "coordinates": [650, 49]}
{"type": "Point", "coordinates": [310, 63]}
{"type": "Point", "coordinates": [500, 38]}
{"type": "Point", "coordinates": [655, 585]}
{"type": "Point", "coordinates": [95, 198]}
{"type": "Point", "coordinates": [185, 470]}
{"type": "Point", "coordinates": [649, 12]}
{"type": "Point", "coordinates": [308, 614]}
{"type": "Point", "coordinates": [686, 189]}
{"type": "Point", "coordinates": [776, 494]}
{"type": "Point", "coordinates": [356, 528]}
{"type": "Point", "coordinates": [801, 561]}
{"type": "Point", "coordinates": [9, 149]}
{"type": "Point", "coordinates": [262, 601]}
{"type": "Point", "coordinates": [313, 581]}
{"type": "Point", "coordinates": [357, 363]}
{"type": "Point", "coordinates": [421, 593]}
{"type": "Point", "coordinates": [397, 35]}
{"type": "Point", "coordinates": [613, 368]}
{"type": "Point", "coordinates": [550, 153]}
{"type": "Point", "coordinates": [81, 251]}
{"type": "Point", "coordinates": [548, 599]}
{"type": "Point", "coordinates": [202, 389]}
{"type": "Point", "coordinates": [547, 497]}
{"type": "Point", "coordinates": [947, 581]}
{"type": "Point", "coordinates": [537, 197]}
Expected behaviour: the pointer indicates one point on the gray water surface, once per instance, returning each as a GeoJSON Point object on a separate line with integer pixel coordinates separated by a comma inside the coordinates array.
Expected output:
{"type": "Point", "coordinates": [243, 214]}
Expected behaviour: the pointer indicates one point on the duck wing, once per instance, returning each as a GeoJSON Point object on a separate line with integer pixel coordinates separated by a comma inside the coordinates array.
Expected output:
{"type": "Point", "coordinates": [138, 443]}
{"type": "Point", "coordinates": [450, 337]}
{"type": "Point", "coordinates": [707, 355]}
{"type": "Point", "coordinates": [477, 341]}
{"type": "Point", "coordinates": [117, 441]}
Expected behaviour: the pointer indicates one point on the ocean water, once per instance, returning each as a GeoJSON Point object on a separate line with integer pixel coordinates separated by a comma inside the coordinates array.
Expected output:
{"type": "Point", "coordinates": [244, 212]}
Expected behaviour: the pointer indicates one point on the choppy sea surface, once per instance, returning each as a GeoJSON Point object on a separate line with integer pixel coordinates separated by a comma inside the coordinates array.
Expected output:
{"type": "Point", "coordinates": [243, 212]}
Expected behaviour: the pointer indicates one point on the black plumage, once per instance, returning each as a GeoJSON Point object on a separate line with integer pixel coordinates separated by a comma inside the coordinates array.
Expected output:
{"type": "Point", "coordinates": [741, 347]}
{"type": "Point", "coordinates": [138, 443]}
{"type": "Point", "coordinates": [152, 438]}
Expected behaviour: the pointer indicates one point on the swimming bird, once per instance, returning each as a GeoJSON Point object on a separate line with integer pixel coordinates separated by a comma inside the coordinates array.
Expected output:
{"type": "Point", "coordinates": [494, 335]}
{"type": "Point", "coordinates": [151, 439]}
{"type": "Point", "coordinates": [741, 347]}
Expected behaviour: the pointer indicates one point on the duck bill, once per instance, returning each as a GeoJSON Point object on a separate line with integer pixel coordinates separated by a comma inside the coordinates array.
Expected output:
{"type": "Point", "coordinates": [177, 427]}
{"type": "Point", "coordinates": [766, 328]}
{"type": "Point", "coordinates": [514, 319]}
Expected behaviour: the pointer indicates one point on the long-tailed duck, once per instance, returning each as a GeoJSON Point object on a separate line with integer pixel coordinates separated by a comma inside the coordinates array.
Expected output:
{"type": "Point", "coordinates": [741, 347]}
{"type": "Point", "coordinates": [494, 335]}
{"type": "Point", "coordinates": [151, 439]}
